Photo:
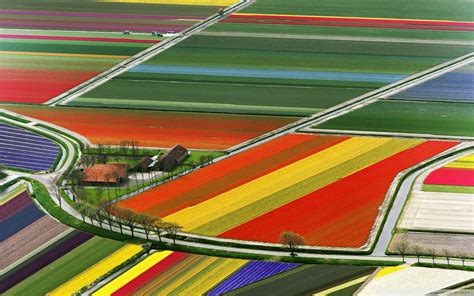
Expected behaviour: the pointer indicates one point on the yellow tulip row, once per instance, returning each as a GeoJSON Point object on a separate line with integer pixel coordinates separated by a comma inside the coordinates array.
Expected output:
{"type": "Point", "coordinates": [94, 272]}
{"type": "Point", "coordinates": [132, 273]}
{"type": "Point", "coordinates": [466, 162]}
{"type": "Point", "coordinates": [197, 278]}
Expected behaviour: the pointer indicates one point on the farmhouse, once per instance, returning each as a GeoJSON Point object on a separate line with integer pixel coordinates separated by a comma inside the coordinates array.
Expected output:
{"type": "Point", "coordinates": [101, 174]}
{"type": "Point", "coordinates": [171, 159]}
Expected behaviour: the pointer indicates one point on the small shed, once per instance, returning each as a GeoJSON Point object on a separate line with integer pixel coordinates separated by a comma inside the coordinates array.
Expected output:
{"type": "Point", "coordinates": [105, 174]}
{"type": "Point", "coordinates": [171, 159]}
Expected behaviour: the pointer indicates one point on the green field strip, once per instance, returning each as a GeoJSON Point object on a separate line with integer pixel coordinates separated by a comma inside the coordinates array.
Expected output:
{"type": "Point", "coordinates": [110, 7]}
{"type": "Point", "coordinates": [40, 42]}
{"type": "Point", "coordinates": [450, 119]}
{"type": "Point", "coordinates": [342, 31]}
{"type": "Point", "coordinates": [448, 188]}
{"type": "Point", "coordinates": [194, 107]}
{"type": "Point", "coordinates": [328, 84]}
{"type": "Point", "coordinates": [211, 57]}
{"type": "Point", "coordinates": [78, 34]}
{"type": "Point", "coordinates": [69, 48]}
{"type": "Point", "coordinates": [421, 9]}
{"type": "Point", "coordinates": [66, 267]}
{"type": "Point", "coordinates": [233, 94]}
{"type": "Point", "coordinates": [303, 280]}
{"type": "Point", "coordinates": [328, 46]}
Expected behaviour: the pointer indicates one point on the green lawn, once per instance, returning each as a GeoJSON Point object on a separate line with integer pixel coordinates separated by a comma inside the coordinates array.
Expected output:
{"type": "Point", "coordinates": [447, 188]}
{"type": "Point", "coordinates": [451, 119]}
{"type": "Point", "coordinates": [90, 193]}
{"type": "Point", "coordinates": [66, 267]}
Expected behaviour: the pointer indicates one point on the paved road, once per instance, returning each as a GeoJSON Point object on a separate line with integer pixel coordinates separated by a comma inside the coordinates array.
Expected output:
{"type": "Point", "coordinates": [338, 38]}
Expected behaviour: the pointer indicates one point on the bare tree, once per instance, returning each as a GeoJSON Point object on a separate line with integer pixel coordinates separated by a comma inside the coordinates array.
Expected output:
{"type": "Point", "coordinates": [113, 211]}
{"type": "Point", "coordinates": [96, 212]}
{"type": "Point", "coordinates": [82, 209]}
{"type": "Point", "coordinates": [128, 218]}
{"type": "Point", "coordinates": [292, 241]}
{"type": "Point", "coordinates": [446, 254]}
{"type": "Point", "coordinates": [106, 212]}
{"type": "Point", "coordinates": [463, 257]}
{"type": "Point", "coordinates": [134, 147]}
{"type": "Point", "coordinates": [432, 253]}
{"type": "Point", "coordinates": [418, 251]}
{"type": "Point", "coordinates": [146, 222]}
{"type": "Point", "coordinates": [402, 248]}
{"type": "Point", "coordinates": [172, 230]}
{"type": "Point", "coordinates": [158, 227]}
{"type": "Point", "coordinates": [54, 190]}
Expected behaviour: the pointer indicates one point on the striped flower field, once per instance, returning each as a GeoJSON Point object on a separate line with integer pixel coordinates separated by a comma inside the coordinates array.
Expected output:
{"type": "Point", "coordinates": [236, 200]}
{"type": "Point", "coordinates": [37, 66]}
{"type": "Point", "coordinates": [173, 273]}
{"type": "Point", "coordinates": [444, 201]}
{"type": "Point", "coordinates": [24, 149]}
{"type": "Point", "coordinates": [113, 16]}
{"type": "Point", "coordinates": [35, 246]}
{"type": "Point", "coordinates": [455, 177]}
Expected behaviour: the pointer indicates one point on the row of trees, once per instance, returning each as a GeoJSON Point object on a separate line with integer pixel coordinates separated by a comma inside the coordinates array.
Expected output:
{"type": "Point", "coordinates": [404, 248]}
{"type": "Point", "coordinates": [113, 215]}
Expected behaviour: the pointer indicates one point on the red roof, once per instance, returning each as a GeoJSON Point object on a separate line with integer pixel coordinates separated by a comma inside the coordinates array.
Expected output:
{"type": "Point", "coordinates": [105, 173]}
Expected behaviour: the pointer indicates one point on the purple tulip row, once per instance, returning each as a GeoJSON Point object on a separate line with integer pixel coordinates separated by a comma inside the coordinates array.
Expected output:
{"type": "Point", "coordinates": [252, 272]}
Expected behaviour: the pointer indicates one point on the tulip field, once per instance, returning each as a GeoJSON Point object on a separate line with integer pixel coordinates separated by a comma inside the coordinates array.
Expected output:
{"type": "Point", "coordinates": [173, 273]}
{"type": "Point", "coordinates": [235, 147]}
{"type": "Point", "coordinates": [157, 129]}
{"type": "Point", "coordinates": [446, 192]}
{"type": "Point", "coordinates": [38, 66]}
{"type": "Point", "coordinates": [439, 106]}
{"type": "Point", "coordinates": [111, 16]}
{"type": "Point", "coordinates": [35, 246]}
{"type": "Point", "coordinates": [252, 61]}
{"type": "Point", "coordinates": [307, 172]}
{"type": "Point", "coordinates": [23, 149]}
{"type": "Point", "coordinates": [48, 48]}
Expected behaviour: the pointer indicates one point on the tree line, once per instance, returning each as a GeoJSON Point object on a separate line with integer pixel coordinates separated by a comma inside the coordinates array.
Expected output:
{"type": "Point", "coordinates": [404, 248]}
{"type": "Point", "coordinates": [114, 215]}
